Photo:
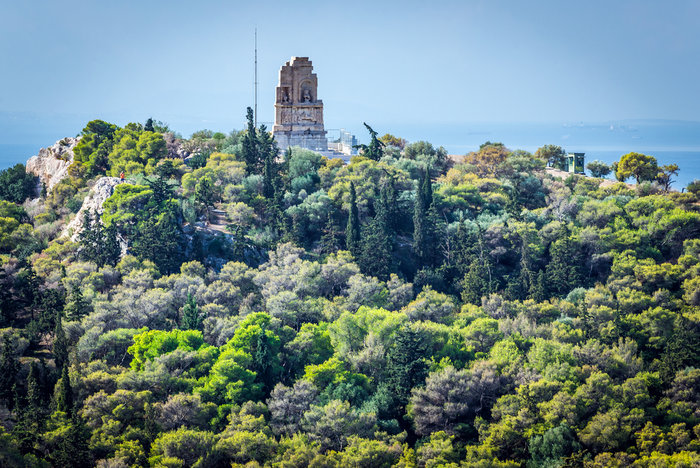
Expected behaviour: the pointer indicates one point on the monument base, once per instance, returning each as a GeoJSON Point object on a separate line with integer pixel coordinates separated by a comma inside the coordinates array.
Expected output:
{"type": "Point", "coordinates": [309, 139]}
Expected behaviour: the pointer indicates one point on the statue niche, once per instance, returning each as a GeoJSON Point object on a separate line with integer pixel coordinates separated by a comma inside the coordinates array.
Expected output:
{"type": "Point", "coordinates": [306, 92]}
{"type": "Point", "coordinates": [284, 98]}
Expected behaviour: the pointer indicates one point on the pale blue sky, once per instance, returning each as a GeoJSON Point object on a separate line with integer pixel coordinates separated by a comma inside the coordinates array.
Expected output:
{"type": "Point", "coordinates": [392, 64]}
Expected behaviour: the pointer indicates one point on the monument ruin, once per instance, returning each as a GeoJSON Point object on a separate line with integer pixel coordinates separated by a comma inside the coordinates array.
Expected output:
{"type": "Point", "coordinates": [298, 111]}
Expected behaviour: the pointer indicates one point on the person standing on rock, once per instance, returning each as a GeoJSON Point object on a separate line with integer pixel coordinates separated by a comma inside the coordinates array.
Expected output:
{"type": "Point", "coordinates": [121, 176]}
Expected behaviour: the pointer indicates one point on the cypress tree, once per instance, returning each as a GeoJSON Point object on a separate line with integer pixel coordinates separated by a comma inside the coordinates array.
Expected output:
{"type": "Point", "coordinates": [76, 307]}
{"type": "Point", "coordinates": [299, 232]}
{"type": "Point", "coordinates": [563, 269]}
{"type": "Point", "coordinates": [149, 125]}
{"type": "Point", "coordinates": [682, 348]}
{"type": "Point", "coordinates": [60, 344]}
{"type": "Point", "coordinates": [160, 239]}
{"type": "Point", "coordinates": [393, 216]}
{"type": "Point", "coordinates": [267, 149]}
{"type": "Point", "coordinates": [162, 192]}
{"type": "Point", "coordinates": [30, 418]}
{"type": "Point", "coordinates": [98, 244]}
{"type": "Point", "coordinates": [34, 392]}
{"type": "Point", "coordinates": [276, 216]}
{"type": "Point", "coordinates": [329, 239]}
{"type": "Point", "coordinates": [268, 178]}
{"type": "Point", "coordinates": [262, 359]}
{"type": "Point", "coordinates": [521, 284]}
{"type": "Point", "coordinates": [112, 251]}
{"type": "Point", "coordinates": [191, 317]}
{"type": "Point", "coordinates": [423, 228]}
{"type": "Point", "coordinates": [352, 232]}
{"type": "Point", "coordinates": [427, 190]}
{"type": "Point", "coordinates": [538, 288]}
{"type": "Point", "coordinates": [250, 150]}
{"type": "Point", "coordinates": [375, 258]}
{"type": "Point", "coordinates": [285, 163]}
{"type": "Point", "coordinates": [88, 238]}
{"type": "Point", "coordinates": [8, 370]}
{"type": "Point", "coordinates": [64, 397]}
{"type": "Point", "coordinates": [418, 227]}
{"type": "Point", "coordinates": [73, 450]}
{"type": "Point", "coordinates": [406, 365]}
{"type": "Point", "coordinates": [476, 282]}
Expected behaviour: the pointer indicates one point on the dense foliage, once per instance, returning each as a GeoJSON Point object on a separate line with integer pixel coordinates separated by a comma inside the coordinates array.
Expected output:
{"type": "Point", "coordinates": [236, 308]}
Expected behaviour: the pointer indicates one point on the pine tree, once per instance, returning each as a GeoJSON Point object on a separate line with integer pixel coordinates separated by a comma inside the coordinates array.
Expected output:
{"type": "Point", "coordinates": [191, 316]}
{"type": "Point", "coordinates": [64, 396]}
{"type": "Point", "coordinates": [375, 149]}
{"type": "Point", "coordinates": [352, 232]}
{"type": "Point", "coordinates": [77, 307]}
{"type": "Point", "coordinates": [60, 344]}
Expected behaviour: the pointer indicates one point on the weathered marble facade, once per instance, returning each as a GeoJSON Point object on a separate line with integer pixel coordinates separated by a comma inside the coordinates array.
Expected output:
{"type": "Point", "coordinates": [298, 111]}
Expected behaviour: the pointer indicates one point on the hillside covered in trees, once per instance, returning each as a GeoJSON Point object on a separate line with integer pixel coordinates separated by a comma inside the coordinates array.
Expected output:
{"type": "Point", "coordinates": [229, 307]}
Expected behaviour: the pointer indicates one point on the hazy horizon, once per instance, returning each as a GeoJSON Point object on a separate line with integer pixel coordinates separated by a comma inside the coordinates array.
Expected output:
{"type": "Point", "coordinates": [606, 75]}
{"type": "Point", "coordinates": [391, 64]}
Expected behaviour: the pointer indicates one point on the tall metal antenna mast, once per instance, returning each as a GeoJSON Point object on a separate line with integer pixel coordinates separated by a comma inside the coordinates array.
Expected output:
{"type": "Point", "coordinates": [255, 112]}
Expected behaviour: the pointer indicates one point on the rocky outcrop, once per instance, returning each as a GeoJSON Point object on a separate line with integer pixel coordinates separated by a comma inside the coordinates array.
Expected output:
{"type": "Point", "coordinates": [51, 164]}
{"type": "Point", "coordinates": [101, 191]}
{"type": "Point", "coordinates": [175, 146]}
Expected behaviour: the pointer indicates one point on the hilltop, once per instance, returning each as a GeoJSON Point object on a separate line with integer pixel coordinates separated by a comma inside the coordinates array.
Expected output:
{"type": "Point", "coordinates": [212, 301]}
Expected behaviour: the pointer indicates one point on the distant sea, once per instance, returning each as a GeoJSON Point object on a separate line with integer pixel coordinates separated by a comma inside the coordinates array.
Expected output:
{"type": "Point", "coordinates": [13, 153]}
{"type": "Point", "coordinates": [669, 141]}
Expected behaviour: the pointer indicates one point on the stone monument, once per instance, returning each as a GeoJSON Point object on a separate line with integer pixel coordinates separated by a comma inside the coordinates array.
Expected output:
{"type": "Point", "coordinates": [298, 111]}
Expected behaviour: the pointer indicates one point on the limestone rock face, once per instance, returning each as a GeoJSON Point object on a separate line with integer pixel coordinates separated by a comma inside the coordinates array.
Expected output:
{"type": "Point", "coordinates": [51, 164]}
{"type": "Point", "coordinates": [101, 191]}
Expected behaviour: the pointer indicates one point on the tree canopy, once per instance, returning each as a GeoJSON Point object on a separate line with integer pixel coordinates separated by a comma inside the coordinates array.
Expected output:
{"type": "Point", "coordinates": [228, 305]}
